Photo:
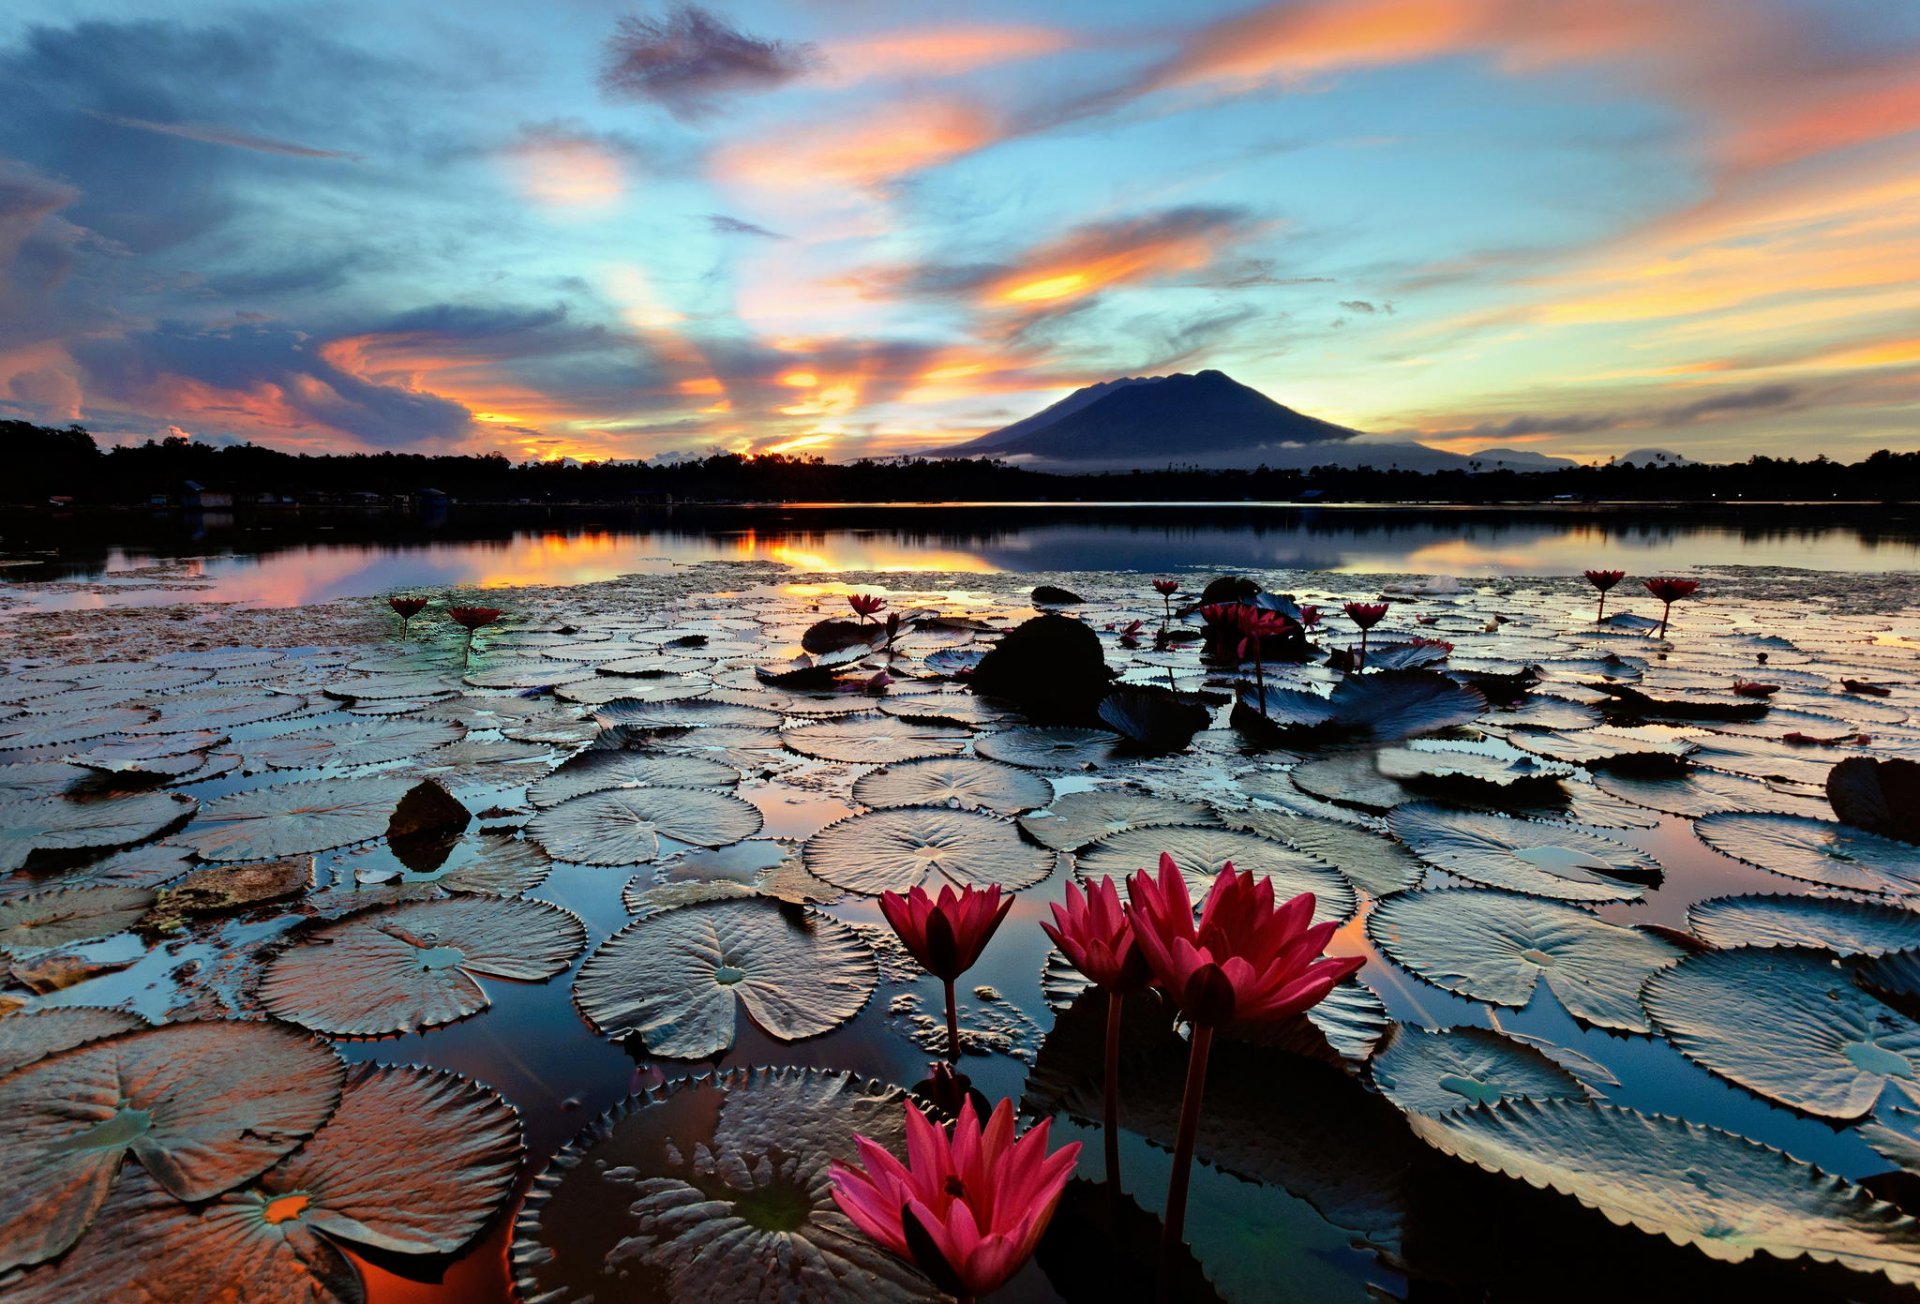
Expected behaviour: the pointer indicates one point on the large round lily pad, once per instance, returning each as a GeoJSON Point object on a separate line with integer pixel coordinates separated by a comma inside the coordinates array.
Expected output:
{"type": "Point", "coordinates": [413, 966]}
{"type": "Point", "coordinates": [1457, 1068]}
{"type": "Point", "coordinates": [599, 771]}
{"type": "Point", "coordinates": [623, 826]}
{"type": "Point", "coordinates": [202, 1107]}
{"type": "Point", "coordinates": [296, 819]}
{"type": "Point", "coordinates": [1497, 946]}
{"type": "Point", "coordinates": [1059, 747]}
{"type": "Point", "coordinates": [61, 915]}
{"type": "Point", "coordinates": [1380, 708]}
{"type": "Point", "coordinates": [1728, 1197]}
{"type": "Point", "coordinates": [1545, 859]}
{"type": "Point", "coordinates": [35, 1034]}
{"type": "Point", "coordinates": [1202, 853]}
{"type": "Point", "coordinates": [920, 846]}
{"type": "Point", "coordinates": [1788, 1025]}
{"type": "Point", "coordinates": [1816, 851]}
{"type": "Point", "coordinates": [1077, 818]}
{"type": "Point", "coordinates": [1372, 863]}
{"type": "Point", "coordinates": [362, 742]}
{"type": "Point", "coordinates": [1823, 923]}
{"type": "Point", "coordinates": [60, 824]}
{"type": "Point", "coordinates": [677, 978]}
{"type": "Point", "coordinates": [876, 739]}
{"type": "Point", "coordinates": [716, 1189]}
{"type": "Point", "coordinates": [963, 781]}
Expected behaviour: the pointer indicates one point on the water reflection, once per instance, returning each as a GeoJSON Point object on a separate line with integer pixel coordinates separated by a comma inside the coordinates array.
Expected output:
{"type": "Point", "coordinates": [311, 557]}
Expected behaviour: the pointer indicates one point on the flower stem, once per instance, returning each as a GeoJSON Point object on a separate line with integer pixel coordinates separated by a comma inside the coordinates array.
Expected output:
{"type": "Point", "coordinates": [1173, 1231]}
{"type": "Point", "coordinates": [1602, 613]}
{"type": "Point", "coordinates": [1260, 680]}
{"type": "Point", "coordinates": [1665, 616]}
{"type": "Point", "coordinates": [953, 1026]}
{"type": "Point", "coordinates": [1112, 1111]}
{"type": "Point", "coordinates": [1363, 651]}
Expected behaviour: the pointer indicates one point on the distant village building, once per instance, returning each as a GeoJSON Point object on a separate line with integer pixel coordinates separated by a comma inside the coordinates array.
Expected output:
{"type": "Point", "coordinates": [196, 497]}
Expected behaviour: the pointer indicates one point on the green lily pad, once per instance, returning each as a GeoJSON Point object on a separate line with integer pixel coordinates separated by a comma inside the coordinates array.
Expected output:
{"type": "Point", "coordinates": [1202, 853]}
{"type": "Point", "coordinates": [921, 846]}
{"type": "Point", "coordinates": [1458, 1068]}
{"type": "Point", "coordinates": [962, 781]}
{"type": "Point", "coordinates": [623, 826]}
{"type": "Point", "coordinates": [1824, 923]}
{"type": "Point", "coordinates": [1563, 861]}
{"type": "Point", "coordinates": [1816, 851]}
{"type": "Point", "coordinates": [677, 979]}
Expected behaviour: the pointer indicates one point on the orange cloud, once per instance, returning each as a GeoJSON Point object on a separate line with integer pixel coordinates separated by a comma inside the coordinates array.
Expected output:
{"type": "Point", "coordinates": [879, 147]}
{"type": "Point", "coordinates": [569, 175]}
{"type": "Point", "coordinates": [909, 53]}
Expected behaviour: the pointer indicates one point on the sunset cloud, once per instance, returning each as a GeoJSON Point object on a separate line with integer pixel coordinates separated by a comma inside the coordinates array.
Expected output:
{"type": "Point", "coordinates": [690, 59]}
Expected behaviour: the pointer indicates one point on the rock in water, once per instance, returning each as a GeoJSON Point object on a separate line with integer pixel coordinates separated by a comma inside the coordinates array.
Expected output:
{"type": "Point", "coordinates": [1051, 666]}
{"type": "Point", "coordinates": [1879, 796]}
{"type": "Point", "coordinates": [425, 826]}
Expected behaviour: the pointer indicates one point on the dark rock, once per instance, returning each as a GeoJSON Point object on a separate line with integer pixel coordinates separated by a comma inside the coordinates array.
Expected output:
{"type": "Point", "coordinates": [1051, 667]}
{"type": "Point", "coordinates": [1879, 796]}
{"type": "Point", "coordinates": [1052, 595]}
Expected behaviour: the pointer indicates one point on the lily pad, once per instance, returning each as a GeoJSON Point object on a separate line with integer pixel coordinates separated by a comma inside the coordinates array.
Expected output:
{"type": "Point", "coordinates": [876, 739]}
{"type": "Point", "coordinates": [1823, 923]}
{"type": "Point", "coordinates": [202, 1106]}
{"type": "Point", "coordinates": [1052, 748]}
{"type": "Point", "coordinates": [600, 771]}
{"type": "Point", "coordinates": [962, 781]}
{"type": "Point", "coordinates": [1458, 1068]}
{"type": "Point", "coordinates": [742, 748]}
{"type": "Point", "coordinates": [1077, 818]}
{"type": "Point", "coordinates": [1815, 851]}
{"type": "Point", "coordinates": [1546, 859]}
{"type": "Point", "coordinates": [1381, 708]}
{"type": "Point", "coordinates": [35, 1034]}
{"type": "Point", "coordinates": [413, 966]}
{"type": "Point", "coordinates": [918, 846]}
{"type": "Point", "coordinates": [1497, 946]}
{"type": "Point", "coordinates": [363, 742]}
{"type": "Point", "coordinates": [60, 915]}
{"type": "Point", "coordinates": [61, 824]}
{"type": "Point", "coordinates": [54, 728]}
{"type": "Point", "coordinates": [716, 1188]}
{"type": "Point", "coordinates": [38, 779]}
{"type": "Point", "coordinates": [296, 819]}
{"type": "Point", "coordinates": [1707, 792]}
{"type": "Point", "coordinates": [1788, 1025]}
{"type": "Point", "coordinates": [623, 826]}
{"type": "Point", "coordinates": [701, 713]}
{"type": "Point", "coordinates": [1372, 863]}
{"type": "Point", "coordinates": [677, 979]}
{"type": "Point", "coordinates": [1726, 1196]}
{"type": "Point", "coordinates": [1201, 854]}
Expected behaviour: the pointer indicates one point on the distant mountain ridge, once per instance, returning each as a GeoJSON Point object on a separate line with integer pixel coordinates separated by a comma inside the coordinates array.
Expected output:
{"type": "Point", "coordinates": [1206, 419]}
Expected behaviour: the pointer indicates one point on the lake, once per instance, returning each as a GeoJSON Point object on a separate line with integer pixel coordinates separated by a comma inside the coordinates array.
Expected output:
{"type": "Point", "coordinates": [294, 558]}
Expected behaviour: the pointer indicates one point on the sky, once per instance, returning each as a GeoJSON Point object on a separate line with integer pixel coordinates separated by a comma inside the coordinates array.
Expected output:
{"type": "Point", "coordinates": [860, 228]}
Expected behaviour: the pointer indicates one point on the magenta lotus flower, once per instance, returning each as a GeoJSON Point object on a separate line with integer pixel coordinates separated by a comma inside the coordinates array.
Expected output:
{"type": "Point", "coordinates": [1256, 626]}
{"type": "Point", "coordinates": [1670, 590]}
{"type": "Point", "coordinates": [1166, 588]}
{"type": "Point", "coordinates": [1309, 615]}
{"type": "Point", "coordinates": [1246, 961]}
{"type": "Point", "coordinates": [1366, 615]}
{"type": "Point", "coordinates": [967, 1209]}
{"type": "Point", "coordinates": [1095, 935]}
{"type": "Point", "coordinates": [472, 618]}
{"type": "Point", "coordinates": [407, 609]}
{"type": "Point", "coordinates": [946, 935]}
{"type": "Point", "coordinates": [866, 605]}
{"type": "Point", "coordinates": [1604, 580]}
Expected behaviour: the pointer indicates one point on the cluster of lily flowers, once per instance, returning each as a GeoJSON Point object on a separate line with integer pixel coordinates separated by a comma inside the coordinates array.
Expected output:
{"type": "Point", "coordinates": [468, 618]}
{"type": "Point", "coordinates": [1664, 587]}
{"type": "Point", "coordinates": [972, 1200]}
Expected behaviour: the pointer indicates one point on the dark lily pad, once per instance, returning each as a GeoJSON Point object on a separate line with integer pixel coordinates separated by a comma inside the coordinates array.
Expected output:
{"type": "Point", "coordinates": [1202, 853]}
{"type": "Point", "coordinates": [60, 824]}
{"type": "Point", "coordinates": [702, 713]}
{"type": "Point", "coordinates": [600, 771]}
{"type": "Point", "coordinates": [1458, 1068]}
{"type": "Point", "coordinates": [917, 846]}
{"type": "Point", "coordinates": [1154, 720]}
{"type": "Point", "coordinates": [1816, 851]}
{"type": "Point", "coordinates": [1787, 1024]}
{"type": "Point", "coordinates": [962, 781]}
{"type": "Point", "coordinates": [1347, 777]}
{"type": "Point", "coordinates": [60, 915]}
{"type": "Point", "coordinates": [716, 1188]}
{"type": "Point", "coordinates": [1726, 1196]}
{"type": "Point", "coordinates": [38, 779]}
{"type": "Point", "coordinates": [1052, 748]}
{"type": "Point", "coordinates": [1706, 792]}
{"type": "Point", "coordinates": [876, 739]}
{"type": "Point", "coordinates": [202, 1106]}
{"type": "Point", "coordinates": [296, 819]}
{"type": "Point", "coordinates": [677, 979]}
{"type": "Point", "coordinates": [413, 966]}
{"type": "Point", "coordinates": [1051, 666]}
{"type": "Point", "coordinates": [1535, 856]}
{"type": "Point", "coordinates": [623, 826]}
{"type": "Point", "coordinates": [1380, 708]}
{"type": "Point", "coordinates": [1880, 796]}
{"type": "Point", "coordinates": [742, 748]}
{"type": "Point", "coordinates": [1823, 923]}
{"type": "Point", "coordinates": [35, 1034]}
{"type": "Point", "coordinates": [1497, 946]}
{"type": "Point", "coordinates": [1077, 818]}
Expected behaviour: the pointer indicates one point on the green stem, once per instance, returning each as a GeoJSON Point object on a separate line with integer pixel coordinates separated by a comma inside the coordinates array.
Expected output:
{"type": "Point", "coordinates": [1173, 1232]}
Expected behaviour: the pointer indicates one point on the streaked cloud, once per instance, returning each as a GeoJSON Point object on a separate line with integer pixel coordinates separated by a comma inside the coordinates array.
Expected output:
{"type": "Point", "coordinates": [691, 59]}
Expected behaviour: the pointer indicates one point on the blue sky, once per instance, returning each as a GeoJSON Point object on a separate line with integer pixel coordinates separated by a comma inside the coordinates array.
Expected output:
{"type": "Point", "coordinates": [592, 229]}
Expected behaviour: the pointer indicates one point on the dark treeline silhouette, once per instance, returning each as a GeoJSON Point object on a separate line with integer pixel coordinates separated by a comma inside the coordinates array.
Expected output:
{"type": "Point", "coordinates": [46, 463]}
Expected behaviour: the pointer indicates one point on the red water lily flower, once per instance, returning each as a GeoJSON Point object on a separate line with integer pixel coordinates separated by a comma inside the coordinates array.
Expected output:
{"type": "Point", "coordinates": [968, 1208]}
{"type": "Point", "coordinates": [1166, 588]}
{"type": "Point", "coordinates": [1309, 615]}
{"type": "Point", "coordinates": [946, 935]}
{"type": "Point", "coordinates": [407, 609]}
{"type": "Point", "coordinates": [866, 605]}
{"type": "Point", "coordinates": [472, 618]}
{"type": "Point", "coordinates": [1366, 615]}
{"type": "Point", "coordinates": [1256, 625]}
{"type": "Point", "coordinates": [1095, 935]}
{"type": "Point", "coordinates": [1670, 590]}
{"type": "Point", "coordinates": [1604, 580]}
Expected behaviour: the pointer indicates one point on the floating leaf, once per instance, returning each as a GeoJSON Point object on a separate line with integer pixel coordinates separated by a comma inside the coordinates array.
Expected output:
{"type": "Point", "coordinates": [676, 979]}
{"type": "Point", "coordinates": [623, 826]}
{"type": "Point", "coordinates": [53, 728]}
{"type": "Point", "coordinates": [1457, 1068]}
{"type": "Point", "coordinates": [218, 712]}
{"type": "Point", "coordinates": [1154, 720]}
{"type": "Point", "coordinates": [35, 1034]}
{"type": "Point", "coordinates": [716, 1188]}
{"type": "Point", "coordinates": [1383, 708]}
{"type": "Point", "coordinates": [1372, 863]}
{"type": "Point", "coordinates": [961, 780]}
{"type": "Point", "coordinates": [876, 739]}
{"type": "Point", "coordinates": [38, 779]}
{"type": "Point", "coordinates": [1077, 818]}
{"type": "Point", "coordinates": [742, 748]}
{"type": "Point", "coordinates": [412, 966]}
{"type": "Point", "coordinates": [1816, 851]}
{"type": "Point", "coordinates": [1058, 748]}
{"type": "Point", "coordinates": [1728, 1197]}
{"type": "Point", "coordinates": [60, 824]}
{"type": "Point", "coordinates": [60, 915]}
{"type": "Point", "coordinates": [1347, 778]}
{"type": "Point", "coordinates": [364, 742]}
{"type": "Point", "coordinates": [1546, 859]}
{"type": "Point", "coordinates": [1787, 1025]}
{"type": "Point", "coordinates": [1474, 776]}
{"type": "Point", "coordinates": [1496, 946]}
{"type": "Point", "coordinates": [1826, 924]}
{"type": "Point", "coordinates": [1879, 795]}
{"type": "Point", "coordinates": [600, 771]}
{"type": "Point", "coordinates": [296, 819]}
{"type": "Point", "coordinates": [1705, 792]}
{"type": "Point", "coordinates": [1202, 853]}
{"type": "Point", "coordinates": [894, 850]}
{"type": "Point", "coordinates": [202, 1106]}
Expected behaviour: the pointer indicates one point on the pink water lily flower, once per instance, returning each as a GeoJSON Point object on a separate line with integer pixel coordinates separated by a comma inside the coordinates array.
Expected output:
{"type": "Point", "coordinates": [968, 1208]}
{"type": "Point", "coordinates": [946, 935]}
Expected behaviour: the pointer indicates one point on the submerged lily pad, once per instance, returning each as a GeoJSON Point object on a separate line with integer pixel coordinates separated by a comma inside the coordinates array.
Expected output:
{"type": "Point", "coordinates": [716, 1188]}
{"type": "Point", "coordinates": [296, 819]}
{"type": "Point", "coordinates": [599, 771]}
{"type": "Point", "coordinates": [922, 846]}
{"type": "Point", "coordinates": [1828, 924]}
{"type": "Point", "coordinates": [876, 739]}
{"type": "Point", "coordinates": [202, 1107]}
{"type": "Point", "coordinates": [1202, 853]}
{"type": "Point", "coordinates": [1788, 1025]}
{"type": "Point", "coordinates": [1077, 818]}
{"type": "Point", "coordinates": [35, 1034]}
{"type": "Point", "coordinates": [60, 824]}
{"type": "Point", "coordinates": [677, 979]}
{"type": "Point", "coordinates": [960, 780]}
{"type": "Point", "coordinates": [623, 826]}
{"type": "Point", "coordinates": [1497, 946]}
{"type": "Point", "coordinates": [60, 915]}
{"type": "Point", "coordinates": [1816, 851]}
{"type": "Point", "coordinates": [1726, 1196]}
{"type": "Point", "coordinates": [1457, 1068]}
{"type": "Point", "coordinates": [1545, 859]}
{"type": "Point", "coordinates": [413, 966]}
